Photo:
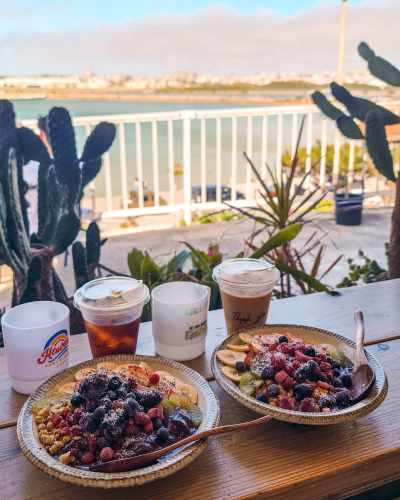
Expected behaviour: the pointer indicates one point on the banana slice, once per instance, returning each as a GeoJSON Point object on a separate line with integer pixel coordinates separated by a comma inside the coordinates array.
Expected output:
{"type": "Point", "coordinates": [69, 388]}
{"type": "Point", "coordinates": [162, 374]}
{"type": "Point", "coordinates": [173, 382]}
{"type": "Point", "coordinates": [258, 383]}
{"type": "Point", "coordinates": [238, 348]}
{"type": "Point", "coordinates": [187, 390]}
{"type": "Point", "coordinates": [106, 367]}
{"type": "Point", "coordinates": [229, 357]}
{"type": "Point", "coordinates": [123, 368]}
{"type": "Point", "coordinates": [146, 367]}
{"type": "Point", "coordinates": [232, 373]}
{"type": "Point", "coordinates": [246, 338]}
{"type": "Point", "coordinates": [83, 373]}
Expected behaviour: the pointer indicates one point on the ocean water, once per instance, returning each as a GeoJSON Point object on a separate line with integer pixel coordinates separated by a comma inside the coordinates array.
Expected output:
{"type": "Point", "coordinates": [28, 109]}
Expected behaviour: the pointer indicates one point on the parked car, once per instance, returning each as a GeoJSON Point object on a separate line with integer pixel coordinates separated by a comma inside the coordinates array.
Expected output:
{"type": "Point", "coordinates": [211, 194]}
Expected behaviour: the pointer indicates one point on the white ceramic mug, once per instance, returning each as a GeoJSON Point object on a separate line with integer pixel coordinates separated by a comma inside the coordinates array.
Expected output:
{"type": "Point", "coordinates": [179, 315]}
{"type": "Point", "coordinates": [36, 338]}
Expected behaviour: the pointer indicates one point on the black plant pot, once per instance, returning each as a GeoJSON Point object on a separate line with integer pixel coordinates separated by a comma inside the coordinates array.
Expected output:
{"type": "Point", "coordinates": [349, 210]}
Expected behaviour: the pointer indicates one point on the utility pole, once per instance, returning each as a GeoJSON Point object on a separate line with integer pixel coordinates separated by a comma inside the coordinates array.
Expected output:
{"type": "Point", "coordinates": [336, 157]}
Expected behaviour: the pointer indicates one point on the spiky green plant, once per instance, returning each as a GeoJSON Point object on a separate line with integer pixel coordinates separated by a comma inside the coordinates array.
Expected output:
{"type": "Point", "coordinates": [377, 120]}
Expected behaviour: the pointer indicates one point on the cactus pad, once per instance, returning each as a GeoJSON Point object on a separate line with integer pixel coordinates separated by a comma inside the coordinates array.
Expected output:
{"type": "Point", "coordinates": [379, 67]}
{"type": "Point", "coordinates": [67, 230]}
{"type": "Point", "coordinates": [99, 141]}
{"type": "Point", "coordinates": [80, 264]}
{"type": "Point", "coordinates": [32, 147]}
{"type": "Point", "coordinates": [8, 131]}
{"type": "Point", "coordinates": [33, 290]}
{"type": "Point", "coordinates": [349, 128]}
{"type": "Point", "coordinates": [93, 243]}
{"type": "Point", "coordinates": [365, 51]}
{"type": "Point", "coordinates": [89, 171]}
{"type": "Point", "coordinates": [378, 146]}
{"type": "Point", "coordinates": [326, 107]}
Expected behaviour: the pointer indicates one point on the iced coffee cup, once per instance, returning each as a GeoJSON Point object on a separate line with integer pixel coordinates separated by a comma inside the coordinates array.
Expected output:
{"type": "Point", "coordinates": [111, 309]}
{"type": "Point", "coordinates": [246, 287]}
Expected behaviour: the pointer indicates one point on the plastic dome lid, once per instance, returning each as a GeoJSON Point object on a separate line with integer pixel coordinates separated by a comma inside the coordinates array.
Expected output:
{"type": "Point", "coordinates": [111, 294]}
{"type": "Point", "coordinates": [246, 272]}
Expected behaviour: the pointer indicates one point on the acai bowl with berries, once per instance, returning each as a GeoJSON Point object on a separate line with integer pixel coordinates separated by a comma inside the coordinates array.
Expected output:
{"type": "Point", "coordinates": [109, 409]}
{"type": "Point", "coordinates": [295, 373]}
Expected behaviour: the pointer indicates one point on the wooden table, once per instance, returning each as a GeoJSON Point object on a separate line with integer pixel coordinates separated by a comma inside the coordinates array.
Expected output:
{"type": "Point", "coordinates": [273, 461]}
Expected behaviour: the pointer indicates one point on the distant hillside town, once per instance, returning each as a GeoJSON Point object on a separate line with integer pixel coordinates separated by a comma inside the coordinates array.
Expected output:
{"type": "Point", "coordinates": [88, 80]}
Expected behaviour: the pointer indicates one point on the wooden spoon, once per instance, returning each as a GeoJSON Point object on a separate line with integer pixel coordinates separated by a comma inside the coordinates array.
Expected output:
{"type": "Point", "coordinates": [141, 460]}
{"type": "Point", "coordinates": [363, 375]}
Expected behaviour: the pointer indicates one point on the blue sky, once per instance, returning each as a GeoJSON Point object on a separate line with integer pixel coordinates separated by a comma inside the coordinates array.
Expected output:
{"type": "Point", "coordinates": [158, 36]}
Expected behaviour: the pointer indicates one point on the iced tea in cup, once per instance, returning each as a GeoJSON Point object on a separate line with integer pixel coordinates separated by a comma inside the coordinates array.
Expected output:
{"type": "Point", "coordinates": [246, 287]}
{"type": "Point", "coordinates": [111, 309]}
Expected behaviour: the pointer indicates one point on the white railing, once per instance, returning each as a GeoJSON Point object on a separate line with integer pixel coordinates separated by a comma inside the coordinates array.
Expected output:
{"type": "Point", "coordinates": [201, 118]}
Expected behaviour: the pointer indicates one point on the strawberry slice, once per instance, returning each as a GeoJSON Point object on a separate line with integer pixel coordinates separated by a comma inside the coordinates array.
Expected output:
{"type": "Point", "coordinates": [268, 339]}
{"type": "Point", "coordinates": [256, 347]}
{"type": "Point", "coordinates": [139, 374]}
{"type": "Point", "coordinates": [294, 339]}
{"type": "Point", "coordinates": [248, 358]}
{"type": "Point", "coordinates": [302, 357]}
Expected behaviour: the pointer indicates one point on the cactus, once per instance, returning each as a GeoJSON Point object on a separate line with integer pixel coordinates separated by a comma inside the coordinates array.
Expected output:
{"type": "Point", "coordinates": [60, 185]}
{"type": "Point", "coordinates": [376, 118]}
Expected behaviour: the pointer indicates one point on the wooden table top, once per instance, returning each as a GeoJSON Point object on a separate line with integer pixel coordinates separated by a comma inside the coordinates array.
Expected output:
{"type": "Point", "coordinates": [276, 460]}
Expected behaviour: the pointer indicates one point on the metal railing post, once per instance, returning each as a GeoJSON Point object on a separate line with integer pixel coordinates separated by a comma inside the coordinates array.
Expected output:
{"type": "Point", "coordinates": [309, 146]}
{"type": "Point", "coordinates": [264, 147]}
{"type": "Point", "coordinates": [234, 157]}
{"type": "Point", "coordinates": [187, 181]}
{"type": "Point", "coordinates": [323, 150]}
{"type": "Point", "coordinates": [171, 162]}
{"type": "Point", "coordinates": [219, 166]}
{"type": "Point", "coordinates": [249, 151]}
{"type": "Point", "coordinates": [279, 140]}
{"type": "Point", "coordinates": [122, 153]}
{"type": "Point", "coordinates": [351, 162]}
{"type": "Point", "coordinates": [203, 188]}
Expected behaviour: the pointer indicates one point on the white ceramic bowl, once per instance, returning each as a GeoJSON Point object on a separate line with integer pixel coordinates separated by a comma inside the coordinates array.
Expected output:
{"type": "Point", "coordinates": [316, 336]}
{"type": "Point", "coordinates": [32, 448]}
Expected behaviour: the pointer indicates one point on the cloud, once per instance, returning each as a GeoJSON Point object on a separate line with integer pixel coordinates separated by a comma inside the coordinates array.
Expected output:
{"type": "Point", "coordinates": [215, 40]}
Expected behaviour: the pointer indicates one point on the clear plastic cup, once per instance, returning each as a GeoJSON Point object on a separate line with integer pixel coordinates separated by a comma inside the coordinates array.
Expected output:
{"type": "Point", "coordinates": [111, 309]}
{"type": "Point", "coordinates": [246, 287]}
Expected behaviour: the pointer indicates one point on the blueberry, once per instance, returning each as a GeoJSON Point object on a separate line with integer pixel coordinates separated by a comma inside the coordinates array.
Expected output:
{"type": "Point", "coordinates": [138, 395]}
{"type": "Point", "coordinates": [77, 400]}
{"type": "Point", "coordinates": [310, 351]}
{"type": "Point", "coordinates": [336, 372]}
{"type": "Point", "coordinates": [126, 386]}
{"type": "Point", "coordinates": [110, 395]}
{"type": "Point", "coordinates": [130, 395]}
{"type": "Point", "coordinates": [106, 403]}
{"type": "Point", "coordinates": [91, 405]}
{"type": "Point", "coordinates": [302, 391]}
{"type": "Point", "coordinates": [343, 398]}
{"type": "Point", "coordinates": [329, 360]}
{"type": "Point", "coordinates": [346, 380]}
{"type": "Point", "coordinates": [312, 364]}
{"type": "Point", "coordinates": [163, 434]}
{"type": "Point", "coordinates": [114, 383]}
{"type": "Point", "coordinates": [273, 391]}
{"type": "Point", "coordinates": [102, 442]}
{"type": "Point", "coordinates": [323, 377]}
{"type": "Point", "coordinates": [157, 424]}
{"type": "Point", "coordinates": [283, 338]}
{"type": "Point", "coordinates": [336, 382]}
{"type": "Point", "coordinates": [130, 407]}
{"type": "Point", "coordinates": [121, 393]}
{"type": "Point", "coordinates": [302, 373]}
{"type": "Point", "coordinates": [262, 397]}
{"type": "Point", "coordinates": [335, 364]}
{"type": "Point", "coordinates": [240, 366]}
{"type": "Point", "coordinates": [99, 413]}
{"type": "Point", "coordinates": [324, 402]}
{"type": "Point", "coordinates": [269, 373]}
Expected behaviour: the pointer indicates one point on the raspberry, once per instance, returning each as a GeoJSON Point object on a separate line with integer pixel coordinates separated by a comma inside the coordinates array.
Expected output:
{"type": "Point", "coordinates": [56, 419]}
{"type": "Point", "coordinates": [76, 430]}
{"type": "Point", "coordinates": [296, 364]}
{"type": "Point", "coordinates": [141, 418]}
{"type": "Point", "coordinates": [115, 454]}
{"type": "Point", "coordinates": [71, 420]}
{"type": "Point", "coordinates": [284, 348]}
{"type": "Point", "coordinates": [322, 356]}
{"type": "Point", "coordinates": [120, 441]}
{"type": "Point", "coordinates": [317, 360]}
{"type": "Point", "coordinates": [288, 383]}
{"type": "Point", "coordinates": [280, 376]}
{"type": "Point", "coordinates": [63, 413]}
{"type": "Point", "coordinates": [307, 405]}
{"type": "Point", "coordinates": [62, 424]}
{"type": "Point", "coordinates": [325, 366]}
{"type": "Point", "coordinates": [153, 413]}
{"type": "Point", "coordinates": [92, 443]}
{"type": "Point", "coordinates": [278, 360]}
{"type": "Point", "coordinates": [87, 458]}
{"type": "Point", "coordinates": [106, 454]}
{"type": "Point", "coordinates": [273, 347]}
{"type": "Point", "coordinates": [132, 383]}
{"type": "Point", "coordinates": [161, 410]}
{"type": "Point", "coordinates": [289, 369]}
{"type": "Point", "coordinates": [65, 431]}
{"type": "Point", "coordinates": [286, 403]}
{"type": "Point", "coordinates": [154, 378]}
{"type": "Point", "coordinates": [317, 371]}
{"type": "Point", "coordinates": [131, 430]}
{"type": "Point", "coordinates": [292, 350]}
{"type": "Point", "coordinates": [148, 428]}
{"type": "Point", "coordinates": [72, 452]}
{"type": "Point", "coordinates": [77, 415]}
{"type": "Point", "coordinates": [301, 348]}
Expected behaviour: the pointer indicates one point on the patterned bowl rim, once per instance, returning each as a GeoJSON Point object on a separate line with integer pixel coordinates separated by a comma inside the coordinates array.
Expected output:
{"type": "Point", "coordinates": [360, 409]}
{"type": "Point", "coordinates": [38, 456]}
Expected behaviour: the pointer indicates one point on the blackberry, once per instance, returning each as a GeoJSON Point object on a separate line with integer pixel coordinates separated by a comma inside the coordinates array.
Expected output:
{"type": "Point", "coordinates": [302, 391]}
{"type": "Point", "coordinates": [283, 338]}
{"type": "Point", "coordinates": [302, 373]}
{"type": "Point", "coordinates": [87, 422]}
{"type": "Point", "coordinates": [343, 398]}
{"type": "Point", "coordinates": [273, 391]}
{"type": "Point", "coordinates": [262, 397]}
{"type": "Point", "coordinates": [269, 373]}
{"type": "Point", "coordinates": [312, 364]}
{"type": "Point", "coordinates": [346, 380]}
{"type": "Point", "coordinates": [91, 405]}
{"type": "Point", "coordinates": [99, 413]}
{"type": "Point", "coordinates": [126, 386]}
{"type": "Point", "coordinates": [324, 402]}
{"type": "Point", "coordinates": [163, 434]}
{"type": "Point", "coordinates": [121, 393]}
{"type": "Point", "coordinates": [336, 382]}
{"type": "Point", "coordinates": [106, 403]}
{"type": "Point", "coordinates": [310, 351]}
{"type": "Point", "coordinates": [130, 407]}
{"type": "Point", "coordinates": [151, 398]}
{"type": "Point", "coordinates": [93, 386]}
{"type": "Point", "coordinates": [113, 424]}
{"type": "Point", "coordinates": [77, 400]}
{"type": "Point", "coordinates": [114, 383]}
{"type": "Point", "coordinates": [240, 366]}
{"type": "Point", "coordinates": [110, 395]}
{"type": "Point", "coordinates": [102, 442]}
{"type": "Point", "coordinates": [329, 360]}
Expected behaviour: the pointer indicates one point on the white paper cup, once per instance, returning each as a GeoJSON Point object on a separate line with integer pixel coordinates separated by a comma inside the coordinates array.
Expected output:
{"type": "Point", "coordinates": [179, 319]}
{"type": "Point", "coordinates": [36, 340]}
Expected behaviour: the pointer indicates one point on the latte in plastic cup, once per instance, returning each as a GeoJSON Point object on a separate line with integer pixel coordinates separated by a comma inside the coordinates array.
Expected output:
{"type": "Point", "coordinates": [246, 287]}
{"type": "Point", "coordinates": [111, 309]}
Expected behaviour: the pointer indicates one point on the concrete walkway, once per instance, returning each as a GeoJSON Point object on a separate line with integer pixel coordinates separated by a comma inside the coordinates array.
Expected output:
{"type": "Point", "coordinates": [163, 243]}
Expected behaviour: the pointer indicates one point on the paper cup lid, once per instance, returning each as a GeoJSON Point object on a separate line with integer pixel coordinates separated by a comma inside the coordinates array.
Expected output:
{"type": "Point", "coordinates": [246, 272]}
{"type": "Point", "coordinates": [111, 294]}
